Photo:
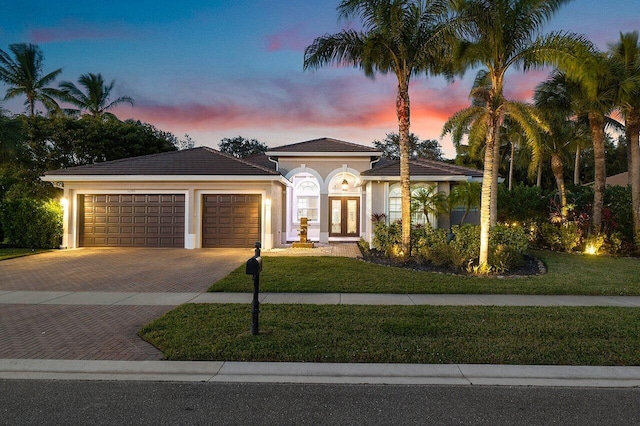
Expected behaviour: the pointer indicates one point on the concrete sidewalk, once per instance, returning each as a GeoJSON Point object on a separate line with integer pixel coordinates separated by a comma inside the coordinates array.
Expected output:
{"type": "Point", "coordinates": [174, 299]}
{"type": "Point", "coordinates": [260, 372]}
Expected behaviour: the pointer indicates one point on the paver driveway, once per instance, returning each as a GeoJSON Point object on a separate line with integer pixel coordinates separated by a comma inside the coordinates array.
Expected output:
{"type": "Point", "coordinates": [121, 269]}
{"type": "Point", "coordinates": [100, 332]}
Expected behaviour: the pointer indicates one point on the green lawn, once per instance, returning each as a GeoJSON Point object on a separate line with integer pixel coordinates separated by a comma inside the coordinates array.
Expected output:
{"type": "Point", "coordinates": [567, 274]}
{"type": "Point", "coordinates": [10, 253]}
{"type": "Point", "coordinates": [401, 334]}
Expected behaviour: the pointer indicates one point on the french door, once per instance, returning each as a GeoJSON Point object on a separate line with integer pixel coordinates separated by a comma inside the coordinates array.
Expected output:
{"type": "Point", "coordinates": [344, 217]}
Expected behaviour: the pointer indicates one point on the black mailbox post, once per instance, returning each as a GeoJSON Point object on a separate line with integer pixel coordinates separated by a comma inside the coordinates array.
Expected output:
{"type": "Point", "coordinates": [254, 267]}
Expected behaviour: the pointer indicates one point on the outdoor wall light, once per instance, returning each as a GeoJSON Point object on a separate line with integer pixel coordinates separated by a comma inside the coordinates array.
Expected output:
{"type": "Point", "coordinates": [345, 185]}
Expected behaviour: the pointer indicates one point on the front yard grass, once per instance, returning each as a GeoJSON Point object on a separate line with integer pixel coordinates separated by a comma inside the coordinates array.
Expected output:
{"type": "Point", "coordinates": [10, 253]}
{"type": "Point", "coordinates": [567, 274]}
{"type": "Point", "coordinates": [401, 334]}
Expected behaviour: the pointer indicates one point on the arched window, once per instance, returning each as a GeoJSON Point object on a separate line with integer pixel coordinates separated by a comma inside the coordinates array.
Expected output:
{"type": "Point", "coordinates": [395, 204]}
{"type": "Point", "coordinates": [306, 197]}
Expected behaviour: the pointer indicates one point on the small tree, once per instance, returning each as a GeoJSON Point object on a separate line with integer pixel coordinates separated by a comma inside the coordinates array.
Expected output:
{"type": "Point", "coordinates": [466, 194]}
{"type": "Point", "coordinates": [427, 148]}
{"type": "Point", "coordinates": [241, 147]}
{"type": "Point", "coordinates": [429, 201]}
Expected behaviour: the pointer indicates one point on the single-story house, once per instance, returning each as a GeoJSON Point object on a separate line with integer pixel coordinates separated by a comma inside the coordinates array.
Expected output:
{"type": "Point", "coordinates": [201, 197]}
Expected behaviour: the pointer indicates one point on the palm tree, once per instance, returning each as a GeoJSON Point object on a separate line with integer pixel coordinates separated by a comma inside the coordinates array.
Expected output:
{"type": "Point", "coordinates": [466, 194]}
{"type": "Point", "coordinates": [23, 75]}
{"type": "Point", "coordinates": [625, 60]}
{"type": "Point", "coordinates": [95, 98]}
{"type": "Point", "coordinates": [405, 37]}
{"type": "Point", "coordinates": [593, 93]}
{"type": "Point", "coordinates": [502, 35]}
{"type": "Point", "coordinates": [429, 201]}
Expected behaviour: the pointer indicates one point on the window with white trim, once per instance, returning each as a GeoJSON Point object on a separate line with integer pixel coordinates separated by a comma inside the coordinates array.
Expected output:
{"type": "Point", "coordinates": [306, 198]}
{"type": "Point", "coordinates": [395, 204]}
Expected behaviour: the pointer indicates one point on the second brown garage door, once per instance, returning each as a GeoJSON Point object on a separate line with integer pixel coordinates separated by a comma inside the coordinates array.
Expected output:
{"type": "Point", "coordinates": [231, 220]}
{"type": "Point", "coordinates": [132, 220]}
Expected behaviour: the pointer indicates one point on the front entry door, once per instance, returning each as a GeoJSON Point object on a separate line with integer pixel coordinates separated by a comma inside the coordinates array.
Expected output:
{"type": "Point", "coordinates": [344, 220]}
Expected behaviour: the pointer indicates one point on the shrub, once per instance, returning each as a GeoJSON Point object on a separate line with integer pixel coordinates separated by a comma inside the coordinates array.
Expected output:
{"type": "Point", "coordinates": [32, 223]}
{"type": "Point", "coordinates": [460, 250]}
{"type": "Point", "coordinates": [522, 203]}
{"type": "Point", "coordinates": [565, 236]}
{"type": "Point", "coordinates": [387, 238]}
{"type": "Point", "coordinates": [507, 245]}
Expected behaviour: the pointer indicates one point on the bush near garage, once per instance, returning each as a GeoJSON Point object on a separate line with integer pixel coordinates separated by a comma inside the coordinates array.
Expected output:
{"type": "Point", "coordinates": [30, 223]}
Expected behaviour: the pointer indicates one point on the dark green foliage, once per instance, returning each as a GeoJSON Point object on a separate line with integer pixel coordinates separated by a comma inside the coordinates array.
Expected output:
{"type": "Point", "coordinates": [241, 147]}
{"type": "Point", "coordinates": [618, 213]}
{"type": "Point", "coordinates": [522, 203]}
{"type": "Point", "coordinates": [60, 142]}
{"type": "Point", "coordinates": [427, 148]}
{"type": "Point", "coordinates": [32, 223]}
{"type": "Point", "coordinates": [460, 250]}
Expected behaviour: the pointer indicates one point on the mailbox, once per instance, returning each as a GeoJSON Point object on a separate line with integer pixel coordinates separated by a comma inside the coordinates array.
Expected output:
{"type": "Point", "coordinates": [254, 266]}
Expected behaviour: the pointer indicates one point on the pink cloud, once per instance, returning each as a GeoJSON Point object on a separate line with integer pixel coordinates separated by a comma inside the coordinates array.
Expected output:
{"type": "Point", "coordinates": [72, 30]}
{"type": "Point", "coordinates": [288, 39]}
{"type": "Point", "coordinates": [344, 105]}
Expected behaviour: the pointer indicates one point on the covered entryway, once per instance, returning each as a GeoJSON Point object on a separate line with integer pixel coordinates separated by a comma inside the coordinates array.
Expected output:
{"type": "Point", "coordinates": [231, 220]}
{"type": "Point", "coordinates": [132, 220]}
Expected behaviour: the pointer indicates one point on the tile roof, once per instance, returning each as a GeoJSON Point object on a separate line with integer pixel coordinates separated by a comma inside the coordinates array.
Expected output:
{"type": "Point", "coordinates": [189, 162]}
{"type": "Point", "coordinates": [324, 145]}
{"type": "Point", "coordinates": [261, 160]}
{"type": "Point", "coordinates": [420, 167]}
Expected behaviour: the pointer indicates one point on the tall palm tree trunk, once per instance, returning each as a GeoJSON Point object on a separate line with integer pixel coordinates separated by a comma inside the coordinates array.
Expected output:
{"type": "Point", "coordinates": [539, 177]}
{"type": "Point", "coordinates": [633, 138]}
{"type": "Point", "coordinates": [576, 167]}
{"type": "Point", "coordinates": [558, 174]}
{"type": "Point", "coordinates": [494, 173]}
{"type": "Point", "coordinates": [596, 123]}
{"type": "Point", "coordinates": [488, 199]}
{"type": "Point", "coordinates": [403, 113]}
{"type": "Point", "coordinates": [513, 151]}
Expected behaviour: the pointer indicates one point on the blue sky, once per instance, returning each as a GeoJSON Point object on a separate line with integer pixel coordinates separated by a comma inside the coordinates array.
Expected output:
{"type": "Point", "coordinates": [225, 68]}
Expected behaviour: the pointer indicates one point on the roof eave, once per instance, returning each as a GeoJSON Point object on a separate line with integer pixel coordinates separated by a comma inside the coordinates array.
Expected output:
{"type": "Point", "coordinates": [441, 178]}
{"type": "Point", "coordinates": [322, 154]}
{"type": "Point", "coordinates": [163, 178]}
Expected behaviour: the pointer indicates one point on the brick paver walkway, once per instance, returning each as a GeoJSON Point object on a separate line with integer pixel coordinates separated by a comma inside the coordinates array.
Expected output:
{"type": "Point", "coordinates": [332, 249]}
{"type": "Point", "coordinates": [101, 332]}
{"type": "Point", "coordinates": [77, 332]}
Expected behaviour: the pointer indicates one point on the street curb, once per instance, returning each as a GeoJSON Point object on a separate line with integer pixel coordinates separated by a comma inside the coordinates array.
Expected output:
{"type": "Point", "coordinates": [330, 373]}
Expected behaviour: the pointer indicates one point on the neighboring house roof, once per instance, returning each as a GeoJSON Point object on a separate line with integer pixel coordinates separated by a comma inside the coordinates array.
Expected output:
{"type": "Point", "coordinates": [621, 179]}
{"type": "Point", "coordinates": [323, 146]}
{"type": "Point", "coordinates": [189, 162]}
{"type": "Point", "coordinates": [420, 167]}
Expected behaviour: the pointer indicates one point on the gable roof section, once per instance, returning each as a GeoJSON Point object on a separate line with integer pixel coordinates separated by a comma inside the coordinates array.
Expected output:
{"type": "Point", "coordinates": [201, 161]}
{"type": "Point", "coordinates": [420, 167]}
{"type": "Point", "coordinates": [324, 146]}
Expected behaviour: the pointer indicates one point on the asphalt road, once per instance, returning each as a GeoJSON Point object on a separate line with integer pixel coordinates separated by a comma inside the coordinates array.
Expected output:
{"type": "Point", "coordinates": [26, 402]}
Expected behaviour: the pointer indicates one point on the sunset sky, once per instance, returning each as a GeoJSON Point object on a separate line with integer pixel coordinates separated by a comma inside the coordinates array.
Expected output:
{"type": "Point", "coordinates": [215, 69]}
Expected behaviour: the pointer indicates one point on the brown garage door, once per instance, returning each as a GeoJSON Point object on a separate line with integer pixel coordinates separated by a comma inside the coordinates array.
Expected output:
{"type": "Point", "coordinates": [231, 220]}
{"type": "Point", "coordinates": [132, 220]}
